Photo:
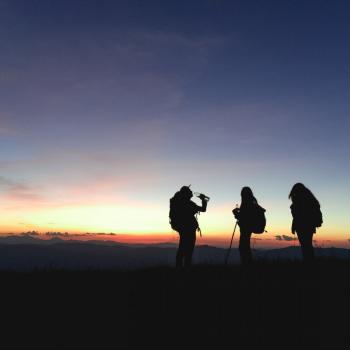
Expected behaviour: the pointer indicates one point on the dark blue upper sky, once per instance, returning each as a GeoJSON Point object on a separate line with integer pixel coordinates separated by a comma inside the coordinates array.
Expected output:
{"type": "Point", "coordinates": [154, 94]}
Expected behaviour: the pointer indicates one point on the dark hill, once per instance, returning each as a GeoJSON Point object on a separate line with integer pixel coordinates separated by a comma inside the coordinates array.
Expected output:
{"type": "Point", "coordinates": [270, 305]}
{"type": "Point", "coordinates": [75, 255]}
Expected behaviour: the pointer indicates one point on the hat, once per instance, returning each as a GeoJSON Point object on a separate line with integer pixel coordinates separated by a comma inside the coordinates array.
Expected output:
{"type": "Point", "coordinates": [186, 189]}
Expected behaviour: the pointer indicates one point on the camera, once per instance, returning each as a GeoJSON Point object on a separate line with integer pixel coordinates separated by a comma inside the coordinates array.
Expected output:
{"type": "Point", "coordinates": [236, 211]}
{"type": "Point", "coordinates": [201, 196]}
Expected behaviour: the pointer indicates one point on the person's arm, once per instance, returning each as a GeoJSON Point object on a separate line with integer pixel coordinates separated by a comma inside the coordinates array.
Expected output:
{"type": "Point", "coordinates": [293, 227]}
{"type": "Point", "coordinates": [235, 212]}
{"type": "Point", "coordinates": [292, 209]}
{"type": "Point", "coordinates": [203, 208]}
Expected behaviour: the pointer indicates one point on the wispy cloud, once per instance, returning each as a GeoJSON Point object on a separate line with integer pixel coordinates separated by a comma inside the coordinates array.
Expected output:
{"type": "Point", "coordinates": [5, 131]}
{"type": "Point", "coordinates": [7, 126]}
{"type": "Point", "coordinates": [19, 192]}
{"type": "Point", "coordinates": [56, 234]}
{"type": "Point", "coordinates": [285, 238]}
{"type": "Point", "coordinates": [30, 233]}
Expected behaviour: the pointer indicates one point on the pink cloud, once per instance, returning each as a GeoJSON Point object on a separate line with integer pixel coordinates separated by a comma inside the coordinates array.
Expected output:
{"type": "Point", "coordinates": [16, 193]}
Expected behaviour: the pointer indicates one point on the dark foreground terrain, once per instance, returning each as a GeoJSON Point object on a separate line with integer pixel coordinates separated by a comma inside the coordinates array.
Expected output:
{"type": "Point", "coordinates": [286, 305]}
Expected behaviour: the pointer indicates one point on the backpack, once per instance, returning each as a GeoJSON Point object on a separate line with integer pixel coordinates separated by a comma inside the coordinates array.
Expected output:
{"type": "Point", "coordinates": [317, 217]}
{"type": "Point", "coordinates": [258, 220]}
{"type": "Point", "coordinates": [174, 213]}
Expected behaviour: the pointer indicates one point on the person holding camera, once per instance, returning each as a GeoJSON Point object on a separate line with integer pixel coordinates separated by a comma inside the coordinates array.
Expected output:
{"type": "Point", "coordinates": [183, 220]}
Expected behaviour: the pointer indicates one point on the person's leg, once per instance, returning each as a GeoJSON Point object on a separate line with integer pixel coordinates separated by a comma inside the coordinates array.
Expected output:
{"type": "Point", "coordinates": [310, 249]}
{"type": "Point", "coordinates": [190, 243]}
{"type": "Point", "coordinates": [244, 248]}
{"type": "Point", "coordinates": [307, 250]}
{"type": "Point", "coordinates": [180, 251]}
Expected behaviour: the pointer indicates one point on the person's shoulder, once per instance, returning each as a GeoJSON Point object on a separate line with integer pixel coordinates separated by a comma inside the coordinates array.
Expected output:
{"type": "Point", "coordinates": [260, 207]}
{"type": "Point", "coordinates": [194, 206]}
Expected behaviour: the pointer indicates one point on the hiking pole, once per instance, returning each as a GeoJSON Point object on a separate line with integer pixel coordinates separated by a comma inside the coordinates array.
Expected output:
{"type": "Point", "coordinates": [229, 249]}
{"type": "Point", "coordinates": [198, 228]}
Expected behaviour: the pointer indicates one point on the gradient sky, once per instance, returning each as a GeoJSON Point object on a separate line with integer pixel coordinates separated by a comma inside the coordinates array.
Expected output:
{"type": "Point", "coordinates": [109, 107]}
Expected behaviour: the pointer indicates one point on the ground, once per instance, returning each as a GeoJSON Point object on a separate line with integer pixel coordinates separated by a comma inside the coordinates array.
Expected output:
{"type": "Point", "coordinates": [270, 304]}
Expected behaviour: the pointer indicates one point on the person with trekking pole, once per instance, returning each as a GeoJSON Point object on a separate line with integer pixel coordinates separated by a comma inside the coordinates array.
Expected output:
{"type": "Point", "coordinates": [250, 219]}
{"type": "Point", "coordinates": [182, 218]}
{"type": "Point", "coordinates": [307, 216]}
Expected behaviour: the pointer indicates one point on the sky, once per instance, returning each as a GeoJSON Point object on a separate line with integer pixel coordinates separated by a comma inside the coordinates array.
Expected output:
{"type": "Point", "coordinates": [108, 107]}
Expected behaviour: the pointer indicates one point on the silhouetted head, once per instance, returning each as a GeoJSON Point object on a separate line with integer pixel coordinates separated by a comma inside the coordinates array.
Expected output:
{"type": "Point", "coordinates": [185, 192]}
{"type": "Point", "coordinates": [301, 193]}
{"type": "Point", "coordinates": [247, 195]}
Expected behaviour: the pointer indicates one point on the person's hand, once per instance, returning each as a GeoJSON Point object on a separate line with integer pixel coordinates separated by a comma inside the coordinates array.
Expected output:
{"type": "Point", "coordinates": [203, 197]}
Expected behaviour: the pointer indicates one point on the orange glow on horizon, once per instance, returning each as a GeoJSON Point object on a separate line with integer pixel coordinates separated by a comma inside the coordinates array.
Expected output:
{"type": "Point", "coordinates": [258, 241]}
{"type": "Point", "coordinates": [142, 222]}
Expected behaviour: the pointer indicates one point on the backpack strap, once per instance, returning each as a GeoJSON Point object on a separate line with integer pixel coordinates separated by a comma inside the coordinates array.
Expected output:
{"type": "Point", "coordinates": [198, 228]}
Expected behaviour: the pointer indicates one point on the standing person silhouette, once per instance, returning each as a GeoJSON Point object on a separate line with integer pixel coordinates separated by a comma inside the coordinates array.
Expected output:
{"type": "Point", "coordinates": [183, 220]}
{"type": "Point", "coordinates": [245, 216]}
{"type": "Point", "coordinates": [307, 216]}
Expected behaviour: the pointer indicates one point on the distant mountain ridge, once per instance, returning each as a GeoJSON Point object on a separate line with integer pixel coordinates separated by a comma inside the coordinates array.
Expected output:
{"type": "Point", "coordinates": [28, 239]}
{"type": "Point", "coordinates": [25, 253]}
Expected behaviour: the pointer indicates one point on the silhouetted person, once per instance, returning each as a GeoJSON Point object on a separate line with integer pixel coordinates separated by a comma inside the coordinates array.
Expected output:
{"type": "Point", "coordinates": [307, 216]}
{"type": "Point", "coordinates": [251, 218]}
{"type": "Point", "coordinates": [183, 220]}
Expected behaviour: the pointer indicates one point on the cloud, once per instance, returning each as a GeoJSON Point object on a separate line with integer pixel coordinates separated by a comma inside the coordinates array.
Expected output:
{"type": "Point", "coordinates": [90, 183]}
{"type": "Point", "coordinates": [18, 192]}
{"type": "Point", "coordinates": [285, 238]}
{"type": "Point", "coordinates": [57, 234]}
{"type": "Point", "coordinates": [30, 233]}
{"type": "Point", "coordinates": [4, 131]}
{"type": "Point", "coordinates": [288, 238]}
{"type": "Point", "coordinates": [134, 75]}
{"type": "Point", "coordinates": [91, 235]}
{"type": "Point", "coordinates": [8, 125]}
